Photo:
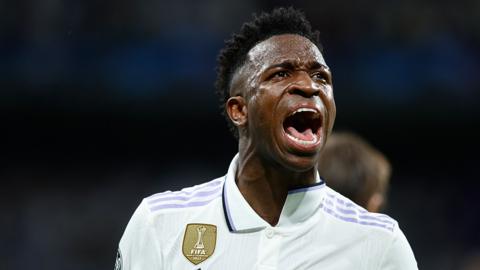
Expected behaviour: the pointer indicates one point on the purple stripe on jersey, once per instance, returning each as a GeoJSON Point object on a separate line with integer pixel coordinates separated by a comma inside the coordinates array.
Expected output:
{"type": "Point", "coordinates": [354, 220]}
{"type": "Point", "coordinates": [363, 215]}
{"type": "Point", "coordinates": [345, 211]}
{"type": "Point", "coordinates": [357, 208]}
{"type": "Point", "coordinates": [329, 202]}
{"type": "Point", "coordinates": [305, 189]}
{"type": "Point", "coordinates": [227, 208]}
{"type": "Point", "coordinates": [382, 217]}
{"type": "Point", "coordinates": [178, 197]}
{"type": "Point", "coordinates": [348, 204]}
{"type": "Point", "coordinates": [376, 224]}
{"type": "Point", "coordinates": [375, 218]}
{"type": "Point", "coordinates": [186, 205]}
{"type": "Point", "coordinates": [188, 192]}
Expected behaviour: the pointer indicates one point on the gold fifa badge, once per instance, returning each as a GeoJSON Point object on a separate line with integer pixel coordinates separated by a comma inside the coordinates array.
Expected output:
{"type": "Point", "coordinates": [199, 242]}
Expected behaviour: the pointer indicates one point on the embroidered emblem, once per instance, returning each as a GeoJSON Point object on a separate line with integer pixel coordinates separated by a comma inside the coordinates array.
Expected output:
{"type": "Point", "coordinates": [199, 242]}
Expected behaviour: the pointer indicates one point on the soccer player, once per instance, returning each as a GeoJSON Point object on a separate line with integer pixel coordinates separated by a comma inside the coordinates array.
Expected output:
{"type": "Point", "coordinates": [271, 210]}
{"type": "Point", "coordinates": [355, 169]}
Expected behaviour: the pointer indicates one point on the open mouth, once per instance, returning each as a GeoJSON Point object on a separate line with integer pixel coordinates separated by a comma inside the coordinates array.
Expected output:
{"type": "Point", "coordinates": [303, 126]}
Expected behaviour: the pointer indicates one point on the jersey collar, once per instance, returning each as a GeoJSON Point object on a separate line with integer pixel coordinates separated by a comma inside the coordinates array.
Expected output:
{"type": "Point", "coordinates": [300, 205]}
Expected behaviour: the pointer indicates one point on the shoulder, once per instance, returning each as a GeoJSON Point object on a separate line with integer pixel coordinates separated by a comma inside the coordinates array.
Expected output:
{"type": "Point", "coordinates": [343, 209]}
{"type": "Point", "coordinates": [380, 233]}
{"type": "Point", "coordinates": [190, 197]}
{"type": "Point", "coordinates": [166, 210]}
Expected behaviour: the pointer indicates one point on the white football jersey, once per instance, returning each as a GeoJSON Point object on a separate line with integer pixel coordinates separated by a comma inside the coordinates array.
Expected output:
{"type": "Point", "coordinates": [211, 226]}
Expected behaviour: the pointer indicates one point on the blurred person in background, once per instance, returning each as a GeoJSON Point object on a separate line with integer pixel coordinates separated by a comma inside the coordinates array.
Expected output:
{"type": "Point", "coordinates": [355, 169]}
{"type": "Point", "coordinates": [271, 210]}
{"type": "Point", "coordinates": [471, 261]}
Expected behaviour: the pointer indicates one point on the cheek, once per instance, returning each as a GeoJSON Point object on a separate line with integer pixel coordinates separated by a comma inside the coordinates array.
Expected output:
{"type": "Point", "coordinates": [332, 110]}
{"type": "Point", "coordinates": [256, 113]}
{"type": "Point", "coordinates": [331, 100]}
{"type": "Point", "coordinates": [261, 112]}
{"type": "Point", "coordinates": [328, 99]}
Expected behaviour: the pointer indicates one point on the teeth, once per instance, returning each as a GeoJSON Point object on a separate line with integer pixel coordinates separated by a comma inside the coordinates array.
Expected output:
{"type": "Point", "coordinates": [315, 139]}
{"type": "Point", "coordinates": [304, 110]}
{"type": "Point", "coordinates": [315, 115]}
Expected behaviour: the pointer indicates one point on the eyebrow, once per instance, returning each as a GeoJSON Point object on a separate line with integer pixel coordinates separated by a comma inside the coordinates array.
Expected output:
{"type": "Point", "coordinates": [288, 64]}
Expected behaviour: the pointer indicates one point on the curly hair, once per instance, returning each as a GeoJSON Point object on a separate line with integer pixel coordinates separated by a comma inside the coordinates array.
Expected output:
{"type": "Point", "coordinates": [232, 56]}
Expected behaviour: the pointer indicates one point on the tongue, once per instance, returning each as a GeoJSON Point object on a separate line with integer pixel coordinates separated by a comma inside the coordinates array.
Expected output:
{"type": "Point", "coordinates": [306, 135]}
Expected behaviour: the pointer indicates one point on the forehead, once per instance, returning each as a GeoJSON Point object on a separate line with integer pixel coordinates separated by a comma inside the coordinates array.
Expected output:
{"type": "Point", "coordinates": [286, 47]}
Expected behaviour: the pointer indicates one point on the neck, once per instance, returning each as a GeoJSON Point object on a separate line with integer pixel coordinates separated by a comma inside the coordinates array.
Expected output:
{"type": "Point", "coordinates": [265, 184]}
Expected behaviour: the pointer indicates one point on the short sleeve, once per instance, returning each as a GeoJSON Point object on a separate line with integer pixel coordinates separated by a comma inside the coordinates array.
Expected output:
{"type": "Point", "coordinates": [399, 255]}
{"type": "Point", "coordinates": [139, 247]}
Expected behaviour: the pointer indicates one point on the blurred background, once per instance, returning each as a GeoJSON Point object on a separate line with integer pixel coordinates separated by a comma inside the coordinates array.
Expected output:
{"type": "Point", "coordinates": [105, 102]}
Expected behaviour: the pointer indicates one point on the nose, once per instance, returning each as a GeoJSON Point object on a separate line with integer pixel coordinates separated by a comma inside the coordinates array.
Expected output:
{"type": "Point", "coordinates": [304, 86]}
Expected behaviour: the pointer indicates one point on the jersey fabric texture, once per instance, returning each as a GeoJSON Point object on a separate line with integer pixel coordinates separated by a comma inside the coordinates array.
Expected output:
{"type": "Point", "coordinates": [318, 229]}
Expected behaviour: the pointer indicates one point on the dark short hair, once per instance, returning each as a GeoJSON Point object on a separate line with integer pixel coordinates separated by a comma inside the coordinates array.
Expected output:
{"type": "Point", "coordinates": [232, 56]}
{"type": "Point", "coordinates": [354, 168]}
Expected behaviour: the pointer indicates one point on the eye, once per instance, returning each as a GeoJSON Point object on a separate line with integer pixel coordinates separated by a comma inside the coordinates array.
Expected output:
{"type": "Point", "coordinates": [320, 77]}
{"type": "Point", "coordinates": [280, 74]}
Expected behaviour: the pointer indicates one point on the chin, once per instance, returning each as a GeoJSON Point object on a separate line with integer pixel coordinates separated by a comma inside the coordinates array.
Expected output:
{"type": "Point", "coordinates": [295, 157]}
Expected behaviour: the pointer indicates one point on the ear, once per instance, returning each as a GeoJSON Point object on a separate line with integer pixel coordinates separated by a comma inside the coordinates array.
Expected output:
{"type": "Point", "coordinates": [237, 110]}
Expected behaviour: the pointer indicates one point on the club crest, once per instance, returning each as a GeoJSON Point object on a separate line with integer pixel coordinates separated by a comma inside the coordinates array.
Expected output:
{"type": "Point", "coordinates": [199, 242]}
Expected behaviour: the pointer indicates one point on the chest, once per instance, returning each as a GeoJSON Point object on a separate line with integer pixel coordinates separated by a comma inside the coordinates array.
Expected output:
{"type": "Point", "coordinates": [266, 249]}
